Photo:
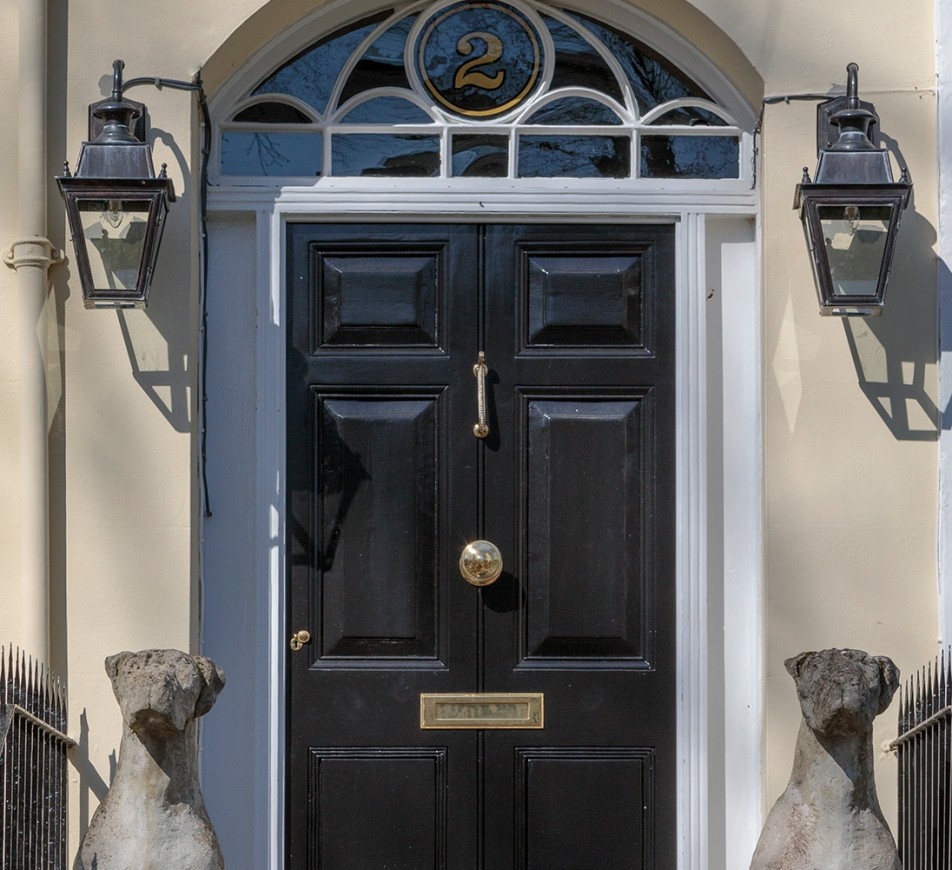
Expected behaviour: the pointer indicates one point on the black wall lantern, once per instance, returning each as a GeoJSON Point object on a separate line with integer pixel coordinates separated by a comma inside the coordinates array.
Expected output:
{"type": "Point", "coordinates": [116, 205]}
{"type": "Point", "coordinates": [851, 211]}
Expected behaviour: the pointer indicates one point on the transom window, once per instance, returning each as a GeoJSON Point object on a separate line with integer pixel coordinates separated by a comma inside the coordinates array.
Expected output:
{"type": "Point", "coordinates": [488, 89]}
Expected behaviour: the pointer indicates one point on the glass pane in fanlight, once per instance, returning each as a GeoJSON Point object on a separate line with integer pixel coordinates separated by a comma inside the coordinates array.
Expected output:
{"type": "Point", "coordinates": [578, 64]}
{"type": "Point", "coordinates": [476, 156]}
{"type": "Point", "coordinates": [311, 75]}
{"type": "Point", "coordinates": [654, 79]}
{"type": "Point", "coordinates": [114, 232]}
{"type": "Point", "coordinates": [574, 156]}
{"type": "Point", "coordinates": [271, 153]}
{"type": "Point", "coordinates": [690, 156]}
{"type": "Point", "coordinates": [369, 154]}
{"type": "Point", "coordinates": [387, 110]}
{"type": "Point", "coordinates": [382, 63]}
{"type": "Point", "coordinates": [574, 110]}
{"type": "Point", "coordinates": [855, 241]}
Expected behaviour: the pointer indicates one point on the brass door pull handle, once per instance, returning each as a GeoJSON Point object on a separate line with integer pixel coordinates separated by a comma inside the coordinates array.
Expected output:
{"type": "Point", "coordinates": [299, 638]}
{"type": "Point", "coordinates": [481, 429]}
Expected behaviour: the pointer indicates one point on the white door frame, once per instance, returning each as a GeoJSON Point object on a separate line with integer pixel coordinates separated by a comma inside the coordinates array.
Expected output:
{"type": "Point", "coordinates": [719, 491]}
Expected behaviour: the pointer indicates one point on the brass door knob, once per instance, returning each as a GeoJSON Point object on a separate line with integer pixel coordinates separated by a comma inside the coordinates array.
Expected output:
{"type": "Point", "coordinates": [299, 638]}
{"type": "Point", "coordinates": [480, 563]}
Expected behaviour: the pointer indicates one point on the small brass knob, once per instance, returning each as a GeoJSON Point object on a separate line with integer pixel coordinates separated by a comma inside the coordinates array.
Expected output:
{"type": "Point", "coordinates": [480, 563]}
{"type": "Point", "coordinates": [299, 638]}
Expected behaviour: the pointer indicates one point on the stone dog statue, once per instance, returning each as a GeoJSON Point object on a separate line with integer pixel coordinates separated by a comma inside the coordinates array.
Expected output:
{"type": "Point", "coordinates": [829, 817]}
{"type": "Point", "coordinates": [154, 817]}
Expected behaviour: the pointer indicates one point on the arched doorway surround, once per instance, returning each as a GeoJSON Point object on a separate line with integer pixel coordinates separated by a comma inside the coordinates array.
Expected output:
{"type": "Point", "coordinates": [717, 436]}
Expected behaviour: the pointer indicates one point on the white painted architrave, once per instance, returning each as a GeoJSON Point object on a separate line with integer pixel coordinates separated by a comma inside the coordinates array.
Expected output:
{"type": "Point", "coordinates": [719, 473]}
{"type": "Point", "coordinates": [733, 511]}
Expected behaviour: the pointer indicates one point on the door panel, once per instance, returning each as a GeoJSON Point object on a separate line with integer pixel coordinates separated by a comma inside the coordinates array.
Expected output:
{"type": "Point", "coordinates": [583, 583]}
{"type": "Point", "coordinates": [575, 484]}
{"type": "Point", "coordinates": [362, 797]}
{"type": "Point", "coordinates": [584, 808]}
{"type": "Point", "coordinates": [379, 522]}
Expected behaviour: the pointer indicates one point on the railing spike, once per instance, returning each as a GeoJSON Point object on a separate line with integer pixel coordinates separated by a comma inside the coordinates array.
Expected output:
{"type": "Point", "coordinates": [33, 782]}
{"type": "Point", "coordinates": [21, 686]}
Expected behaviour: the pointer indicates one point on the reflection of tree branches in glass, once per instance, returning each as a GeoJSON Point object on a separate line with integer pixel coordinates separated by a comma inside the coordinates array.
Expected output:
{"type": "Point", "coordinates": [291, 153]}
{"type": "Point", "coordinates": [387, 110]}
{"type": "Point", "coordinates": [653, 79]}
{"type": "Point", "coordinates": [578, 64]}
{"type": "Point", "coordinates": [481, 156]}
{"type": "Point", "coordinates": [382, 63]}
{"type": "Point", "coordinates": [574, 156]}
{"type": "Point", "coordinates": [265, 153]}
{"type": "Point", "coordinates": [689, 157]}
{"type": "Point", "coordinates": [574, 110]}
{"type": "Point", "coordinates": [311, 75]}
{"type": "Point", "coordinates": [368, 154]}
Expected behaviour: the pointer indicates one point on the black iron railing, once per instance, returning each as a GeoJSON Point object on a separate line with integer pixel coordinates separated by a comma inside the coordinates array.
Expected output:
{"type": "Point", "coordinates": [925, 767]}
{"type": "Point", "coordinates": [33, 749]}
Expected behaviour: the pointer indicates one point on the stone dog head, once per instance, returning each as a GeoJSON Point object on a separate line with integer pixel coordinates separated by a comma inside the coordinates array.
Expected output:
{"type": "Point", "coordinates": [841, 691]}
{"type": "Point", "coordinates": [162, 690]}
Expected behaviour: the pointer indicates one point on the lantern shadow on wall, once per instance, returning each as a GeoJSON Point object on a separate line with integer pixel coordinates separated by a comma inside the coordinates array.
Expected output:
{"type": "Point", "coordinates": [894, 356]}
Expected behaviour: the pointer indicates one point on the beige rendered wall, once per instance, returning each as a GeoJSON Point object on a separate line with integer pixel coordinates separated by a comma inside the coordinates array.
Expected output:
{"type": "Point", "coordinates": [850, 416]}
{"type": "Point", "coordinates": [849, 436]}
{"type": "Point", "coordinates": [9, 380]}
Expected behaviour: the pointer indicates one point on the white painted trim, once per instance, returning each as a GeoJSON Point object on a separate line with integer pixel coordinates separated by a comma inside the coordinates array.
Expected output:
{"type": "Point", "coordinates": [738, 288]}
{"type": "Point", "coordinates": [571, 197]}
{"type": "Point", "coordinates": [272, 447]}
{"type": "Point", "coordinates": [943, 27]}
{"type": "Point", "coordinates": [692, 575]}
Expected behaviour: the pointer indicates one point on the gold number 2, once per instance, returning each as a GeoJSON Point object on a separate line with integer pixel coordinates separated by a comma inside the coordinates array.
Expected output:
{"type": "Point", "coordinates": [467, 74]}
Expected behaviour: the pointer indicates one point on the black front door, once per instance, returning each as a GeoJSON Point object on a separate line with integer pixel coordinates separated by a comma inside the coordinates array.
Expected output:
{"type": "Point", "coordinates": [574, 484]}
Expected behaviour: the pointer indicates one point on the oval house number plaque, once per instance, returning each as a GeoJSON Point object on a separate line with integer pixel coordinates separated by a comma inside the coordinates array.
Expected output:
{"type": "Point", "coordinates": [478, 60]}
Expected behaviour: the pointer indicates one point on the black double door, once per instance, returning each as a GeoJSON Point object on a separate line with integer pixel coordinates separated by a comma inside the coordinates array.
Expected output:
{"type": "Point", "coordinates": [574, 484]}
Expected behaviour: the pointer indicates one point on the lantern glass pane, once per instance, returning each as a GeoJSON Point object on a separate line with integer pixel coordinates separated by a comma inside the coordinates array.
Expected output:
{"type": "Point", "coordinates": [855, 241]}
{"type": "Point", "coordinates": [114, 233]}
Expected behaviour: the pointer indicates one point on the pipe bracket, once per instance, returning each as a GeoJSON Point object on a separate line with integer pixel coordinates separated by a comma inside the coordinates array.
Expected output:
{"type": "Point", "coordinates": [36, 251]}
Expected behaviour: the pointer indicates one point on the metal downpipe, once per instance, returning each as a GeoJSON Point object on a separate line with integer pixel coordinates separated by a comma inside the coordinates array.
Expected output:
{"type": "Point", "coordinates": [31, 255]}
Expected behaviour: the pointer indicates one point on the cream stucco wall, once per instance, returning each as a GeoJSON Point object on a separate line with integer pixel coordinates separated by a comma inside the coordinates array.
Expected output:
{"type": "Point", "coordinates": [850, 445]}
{"type": "Point", "coordinates": [9, 378]}
{"type": "Point", "coordinates": [850, 449]}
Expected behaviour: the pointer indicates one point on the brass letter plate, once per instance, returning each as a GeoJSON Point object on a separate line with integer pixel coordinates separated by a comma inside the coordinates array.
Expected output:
{"type": "Point", "coordinates": [482, 710]}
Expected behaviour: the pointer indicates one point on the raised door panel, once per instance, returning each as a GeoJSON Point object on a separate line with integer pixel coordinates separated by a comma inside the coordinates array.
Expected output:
{"type": "Point", "coordinates": [585, 807]}
{"type": "Point", "coordinates": [378, 807]}
{"type": "Point", "coordinates": [388, 295]}
{"type": "Point", "coordinates": [582, 294]}
{"type": "Point", "coordinates": [379, 525]}
{"type": "Point", "coordinates": [584, 497]}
